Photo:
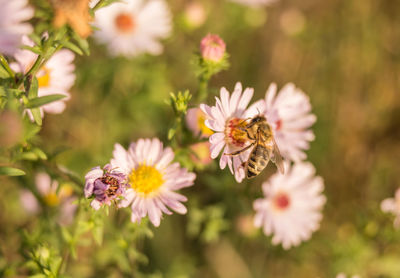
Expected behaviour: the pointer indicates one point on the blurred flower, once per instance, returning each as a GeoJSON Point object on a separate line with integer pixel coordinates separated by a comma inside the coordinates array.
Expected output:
{"type": "Point", "coordinates": [292, 204]}
{"type": "Point", "coordinates": [212, 48]}
{"type": "Point", "coordinates": [342, 275]}
{"type": "Point", "coordinates": [392, 205]}
{"type": "Point", "coordinates": [55, 77]}
{"type": "Point", "coordinates": [195, 121]}
{"type": "Point", "coordinates": [201, 153]}
{"type": "Point", "coordinates": [105, 185]}
{"type": "Point", "coordinates": [12, 27]}
{"type": "Point", "coordinates": [289, 114]}
{"type": "Point", "coordinates": [74, 12]}
{"type": "Point", "coordinates": [153, 179]}
{"type": "Point", "coordinates": [51, 196]}
{"type": "Point", "coordinates": [228, 118]}
{"type": "Point", "coordinates": [195, 14]}
{"type": "Point", "coordinates": [292, 21]}
{"type": "Point", "coordinates": [245, 225]}
{"type": "Point", "coordinates": [254, 3]}
{"type": "Point", "coordinates": [133, 27]}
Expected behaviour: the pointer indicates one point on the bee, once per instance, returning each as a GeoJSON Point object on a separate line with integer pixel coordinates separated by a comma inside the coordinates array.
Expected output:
{"type": "Point", "coordinates": [259, 133]}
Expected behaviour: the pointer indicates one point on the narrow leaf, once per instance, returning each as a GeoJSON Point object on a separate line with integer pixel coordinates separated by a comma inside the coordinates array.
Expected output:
{"type": "Point", "coordinates": [40, 101]}
{"type": "Point", "coordinates": [73, 47]}
{"type": "Point", "coordinates": [37, 116]}
{"type": "Point", "coordinates": [9, 171]}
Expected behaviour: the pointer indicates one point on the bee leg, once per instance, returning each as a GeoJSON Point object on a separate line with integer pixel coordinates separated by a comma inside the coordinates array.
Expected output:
{"type": "Point", "coordinates": [239, 151]}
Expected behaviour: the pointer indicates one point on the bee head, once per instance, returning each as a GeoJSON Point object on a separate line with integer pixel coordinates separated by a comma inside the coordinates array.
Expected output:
{"type": "Point", "coordinates": [258, 119]}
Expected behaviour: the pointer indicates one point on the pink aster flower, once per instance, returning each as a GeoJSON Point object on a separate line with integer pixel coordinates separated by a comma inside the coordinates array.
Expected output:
{"type": "Point", "coordinates": [152, 179]}
{"type": "Point", "coordinates": [289, 114]}
{"type": "Point", "coordinates": [392, 205]}
{"type": "Point", "coordinates": [13, 15]}
{"type": "Point", "coordinates": [195, 121]}
{"type": "Point", "coordinates": [343, 275]}
{"type": "Point", "coordinates": [51, 195]}
{"type": "Point", "coordinates": [228, 118]}
{"type": "Point", "coordinates": [104, 185]}
{"type": "Point", "coordinates": [200, 153]}
{"type": "Point", "coordinates": [292, 204]}
{"type": "Point", "coordinates": [212, 48]}
{"type": "Point", "coordinates": [55, 77]}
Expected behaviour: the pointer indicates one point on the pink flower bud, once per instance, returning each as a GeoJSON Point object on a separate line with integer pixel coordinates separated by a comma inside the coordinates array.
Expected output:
{"type": "Point", "coordinates": [212, 48]}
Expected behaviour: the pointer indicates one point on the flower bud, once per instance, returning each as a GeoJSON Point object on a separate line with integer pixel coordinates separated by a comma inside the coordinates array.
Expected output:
{"type": "Point", "coordinates": [212, 48]}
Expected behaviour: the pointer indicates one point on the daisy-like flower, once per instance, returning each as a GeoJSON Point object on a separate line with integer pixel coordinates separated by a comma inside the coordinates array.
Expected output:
{"type": "Point", "coordinates": [254, 3]}
{"type": "Point", "coordinates": [201, 153]}
{"type": "Point", "coordinates": [392, 205]}
{"type": "Point", "coordinates": [51, 195]}
{"type": "Point", "coordinates": [343, 275]}
{"type": "Point", "coordinates": [289, 114]}
{"type": "Point", "coordinates": [152, 178]}
{"type": "Point", "coordinates": [228, 118]}
{"type": "Point", "coordinates": [55, 77]}
{"type": "Point", "coordinates": [195, 121]}
{"type": "Point", "coordinates": [13, 15]}
{"type": "Point", "coordinates": [292, 204]}
{"type": "Point", "coordinates": [104, 185]}
{"type": "Point", "coordinates": [132, 27]}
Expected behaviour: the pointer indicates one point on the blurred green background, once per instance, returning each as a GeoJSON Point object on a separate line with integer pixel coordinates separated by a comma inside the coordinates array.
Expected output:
{"type": "Point", "coordinates": [344, 54]}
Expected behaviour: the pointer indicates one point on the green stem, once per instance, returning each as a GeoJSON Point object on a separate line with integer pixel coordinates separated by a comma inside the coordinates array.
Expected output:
{"type": "Point", "coordinates": [5, 65]}
{"type": "Point", "coordinates": [203, 88]}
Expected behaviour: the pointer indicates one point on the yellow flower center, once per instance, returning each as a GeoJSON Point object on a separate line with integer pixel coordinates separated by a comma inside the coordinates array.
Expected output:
{"type": "Point", "coordinates": [235, 133]}
{"type": "Point", "coordinates": [51, 199]}
{"type": "Point", "coordinates": [202, 126]}
{"type": "Point", "coordinates": [145, 179]}
{"type": "Point", "coordinates": [125, 23]}
{"type": "Point", "coordinates": [44, 80]}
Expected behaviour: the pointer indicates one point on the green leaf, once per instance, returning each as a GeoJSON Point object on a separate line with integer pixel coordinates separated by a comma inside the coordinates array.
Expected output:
{"type": "Point", "coordinates": [34, 49]}
{"type": "Point", "coordinates": [82, 43]}
{"type": "Point", "coordinates": [3, 73]}
{"type": "Point", "coordinates": [37, 116]}
{"type": "Point", "coordinates": [31, 86]}
{"type": "Point", "coordinates": [73, 47]}
{"type": "Point", "coordinates": [40, 154]}
{"type": "Point", "coordinates": [40, 101]}
{"type": "Point", "coordinates": [9, 171]}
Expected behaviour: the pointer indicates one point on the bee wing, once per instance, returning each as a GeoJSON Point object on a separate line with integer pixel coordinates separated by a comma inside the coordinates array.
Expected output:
{"type": "Point", "coordinates": [277, 158]}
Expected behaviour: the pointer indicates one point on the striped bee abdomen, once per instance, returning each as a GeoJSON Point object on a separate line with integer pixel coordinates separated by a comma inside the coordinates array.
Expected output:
{"type": "Point", "coordinates": [257, 161]}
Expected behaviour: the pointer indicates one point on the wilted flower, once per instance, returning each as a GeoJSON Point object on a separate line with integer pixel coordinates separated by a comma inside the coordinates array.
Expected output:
{"type": "Point", "coordinates": [104, 185]}
{"type": "Point", "coordinates": [13, 14]}
{"type": "Point", "coordinates": [74, 12]}
{"type": "Point", "coordinates": [195, 121]}
{"type": "Point", "coordinates": [55, 77]}
{"type": "Point", "coordinates": [228, 118]}
{"type": "Point", "coordinates": [152, 178]}
{"type": "Point", "coordinates": [289, 114]}
{"type": "Point", "coordinates": [212, 48]}
{"type": "Point", "coordinates": [133, 27]}
{"type": "Point", "coordinates": [292, 204]}
{"type": "Point", "coordinates": [52, 196]}
{"type": "Point", "coordinates": [392, 205]}
{"type": "Point", "coordinates": [255, 3]}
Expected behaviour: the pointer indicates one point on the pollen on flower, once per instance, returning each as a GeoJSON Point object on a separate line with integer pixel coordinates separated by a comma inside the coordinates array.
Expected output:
{"type": "Point", "coordinates": [51, 199]}
{"type": "Point", "coordinates": [281, 201]}
{"type": "Point", "coordinates": [44, 79]}
{"type": "Point", "coordinates": [278, 124]}
{"type": "Point", "coordinates": [125, 23]}
{"type": "Point", "coordinates": [234, 132]}
{"type": "Point", "coordinates": [145, 179]}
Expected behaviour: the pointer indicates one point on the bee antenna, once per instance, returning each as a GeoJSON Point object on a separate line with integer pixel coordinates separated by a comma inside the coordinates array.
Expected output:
{"type": "Point", "coordinates": [259, 113]}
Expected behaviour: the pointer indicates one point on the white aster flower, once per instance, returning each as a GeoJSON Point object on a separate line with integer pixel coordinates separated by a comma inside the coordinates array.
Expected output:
{"type": "Point", "coordinates": [53, 196]}
{"type": "Point", "coordinates": [152, 179]}
{"type": "Point", "coordinates": [13, 15]}
{"type": "Point", "coordinates": [132, 27]}
{"type": "Point", "coordinates": [392, 205]}
{"type": "Point", "coordinates": [228, 118]}
{"type": "Point", "coordinates": [292, 204]}
{"type": "Point", "coordinates": [289, 114]}
{"type": "Point", "coordinates": [55, 77]}
{"type": "Point", "coordinates": [254, 3]}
